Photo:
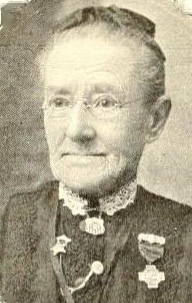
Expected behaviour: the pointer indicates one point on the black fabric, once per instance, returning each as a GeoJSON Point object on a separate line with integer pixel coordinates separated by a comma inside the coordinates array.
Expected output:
{"type": "Point", "coordinates": [26, 268]}
{"type": "Point", "coordinates": [85, 248]}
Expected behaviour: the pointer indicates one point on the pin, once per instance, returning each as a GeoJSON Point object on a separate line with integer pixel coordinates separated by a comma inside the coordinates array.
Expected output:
{"type": "Point", "coordinates": [60, 245]}
{"type": "Point", "coordinates": [151, 248]}
{"type": "Point", "coordinates": [151, 276]}
{"type": "Point", "coordinates": [151, 238]}
{"type": "Point", "coordinates": [94, 226]}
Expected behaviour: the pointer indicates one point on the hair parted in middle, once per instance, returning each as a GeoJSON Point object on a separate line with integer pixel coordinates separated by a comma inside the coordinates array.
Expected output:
{"type": "Point", "coordinates": [126, 27]}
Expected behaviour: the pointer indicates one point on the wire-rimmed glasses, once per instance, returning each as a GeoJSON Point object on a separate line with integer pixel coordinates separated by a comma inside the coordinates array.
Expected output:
{"type": "Point", "coordinates": [102, 107]}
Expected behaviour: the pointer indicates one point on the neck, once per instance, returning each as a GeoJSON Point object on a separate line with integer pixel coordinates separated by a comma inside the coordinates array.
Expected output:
{"type": "Point", "coordinates": [109, 204]}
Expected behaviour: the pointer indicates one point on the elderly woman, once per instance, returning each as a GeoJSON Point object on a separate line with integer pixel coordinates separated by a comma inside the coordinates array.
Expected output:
{"type": "Point", "coordinates": [94, 235]}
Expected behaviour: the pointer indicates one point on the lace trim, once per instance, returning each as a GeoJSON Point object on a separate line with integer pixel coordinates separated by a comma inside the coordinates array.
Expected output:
{"type": "Point", "coordinates": [124, 197]}
{"type": "Point", "coordinates": [108, 205]}
{"type": "Point", "coordinates": [76, 204]}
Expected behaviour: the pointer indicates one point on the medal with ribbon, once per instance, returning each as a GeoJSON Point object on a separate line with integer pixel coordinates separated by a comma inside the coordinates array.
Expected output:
{"type": "Point", "coordinates": [151, 248]}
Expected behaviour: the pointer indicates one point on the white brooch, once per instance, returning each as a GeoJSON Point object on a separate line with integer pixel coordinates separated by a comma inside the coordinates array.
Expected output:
{"type": "Point", "coordinates": [93, 225]}
{"type": "Point", "coordinates": [151, 248]}
{"type": "Point", "coordinates": [60, 245]}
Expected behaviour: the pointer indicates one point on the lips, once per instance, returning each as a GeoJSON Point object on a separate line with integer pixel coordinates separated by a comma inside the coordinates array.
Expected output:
{"type": "Point", "coordinates": [84, 154]}
{"type": "Point", "coordinates": [83, 160]}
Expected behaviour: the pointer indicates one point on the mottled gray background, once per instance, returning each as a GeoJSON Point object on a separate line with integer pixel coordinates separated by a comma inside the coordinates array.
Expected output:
{"type": "Point", "coordinates": [166, 167]}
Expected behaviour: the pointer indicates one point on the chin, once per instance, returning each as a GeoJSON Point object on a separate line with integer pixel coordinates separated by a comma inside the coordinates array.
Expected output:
{"type": "Point", "coordinates": [83, 188]}
{"type": "Point", "coordinates": [83, 184]}
{"type": "Point", "coordinates": [94, 186]}
{"type": "Point", "coordinates": [100, 181]}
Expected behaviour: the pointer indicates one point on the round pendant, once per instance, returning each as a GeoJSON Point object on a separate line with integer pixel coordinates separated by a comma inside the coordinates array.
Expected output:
{"type": "Point", "coordinates": [94, 226]}
{"type": "Point", "coordinates": [97, 267]}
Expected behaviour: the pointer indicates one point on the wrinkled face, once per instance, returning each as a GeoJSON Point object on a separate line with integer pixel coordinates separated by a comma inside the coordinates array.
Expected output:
{"type": "Point", "coordinates": [95, 116]}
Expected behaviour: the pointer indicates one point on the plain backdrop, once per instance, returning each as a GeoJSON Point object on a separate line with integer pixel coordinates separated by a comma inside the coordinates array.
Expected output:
{"type": "Point", "coordinates": [166, 167]}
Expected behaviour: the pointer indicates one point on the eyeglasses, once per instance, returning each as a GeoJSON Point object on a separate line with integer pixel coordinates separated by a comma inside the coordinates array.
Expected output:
{"type": "Point", "coordinates": [103, 107]}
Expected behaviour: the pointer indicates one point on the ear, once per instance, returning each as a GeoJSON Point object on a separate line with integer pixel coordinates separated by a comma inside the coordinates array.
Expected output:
{"type": "Point", "coordinates": [159, 112]}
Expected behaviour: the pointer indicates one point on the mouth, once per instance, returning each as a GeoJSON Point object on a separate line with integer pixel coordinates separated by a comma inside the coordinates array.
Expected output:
{"type": "Point", "coordinates": [84, 154]}
{"type": "Point", "coordinates": [83, 159]}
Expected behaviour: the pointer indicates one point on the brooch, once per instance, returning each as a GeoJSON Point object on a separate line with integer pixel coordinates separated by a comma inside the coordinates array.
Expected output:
{"type": "Point", "coordinates": [151, 248]}
{"type": "Point", "coordinates": [60, 245]}
{"type": "Point", "coordinates": [93, 225]}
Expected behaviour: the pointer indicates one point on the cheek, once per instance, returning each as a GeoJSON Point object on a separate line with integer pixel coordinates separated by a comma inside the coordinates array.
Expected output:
{"type": "Point", "coordinates": [55, 132]}
{"type": "Point", "coordinates": [126, 136]}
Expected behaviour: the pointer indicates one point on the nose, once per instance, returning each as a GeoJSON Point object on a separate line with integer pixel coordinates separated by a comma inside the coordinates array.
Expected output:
{"type": "Point", "coordinates": [79, 128]}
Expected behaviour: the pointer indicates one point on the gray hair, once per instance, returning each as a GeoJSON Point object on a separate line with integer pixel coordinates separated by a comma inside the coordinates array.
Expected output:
{"type": "Point", "coordinates": [122, 25]}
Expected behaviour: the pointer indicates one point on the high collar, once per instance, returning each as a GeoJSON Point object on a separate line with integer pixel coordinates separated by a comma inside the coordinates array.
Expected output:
{"type": "Point", "coordinates": [109, 205]}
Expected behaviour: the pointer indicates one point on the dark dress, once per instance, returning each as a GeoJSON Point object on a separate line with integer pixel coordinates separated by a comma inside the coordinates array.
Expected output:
{"type": "Point", "coordinates": [28, 271]}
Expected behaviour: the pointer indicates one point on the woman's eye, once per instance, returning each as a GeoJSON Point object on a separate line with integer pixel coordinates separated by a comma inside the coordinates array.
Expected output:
{"type": "Point", "coordinates": [106, 102]}
{"type": "Point", "coordinates": [60, 102]}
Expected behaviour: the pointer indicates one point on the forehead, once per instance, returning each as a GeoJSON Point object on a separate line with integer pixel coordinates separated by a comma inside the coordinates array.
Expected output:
{"type": "Point", "coordinates": [88, 59]}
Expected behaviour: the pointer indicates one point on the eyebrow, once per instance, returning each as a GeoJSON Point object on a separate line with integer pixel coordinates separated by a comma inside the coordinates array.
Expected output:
{"type": "Point", "coordinates": [60, 91]}
{"type": "Point", "coordinates": [99, 88]}
{"type": "Point", "coordinates": [96, 88]}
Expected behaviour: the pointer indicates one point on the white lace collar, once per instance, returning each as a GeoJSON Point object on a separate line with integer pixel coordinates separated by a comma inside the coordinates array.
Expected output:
{"type": "Point", "coordinates": [108, 205]}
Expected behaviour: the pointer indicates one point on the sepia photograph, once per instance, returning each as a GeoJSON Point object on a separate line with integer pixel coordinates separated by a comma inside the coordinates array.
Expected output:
{"type": "Point", "coordinates": [96, 145]}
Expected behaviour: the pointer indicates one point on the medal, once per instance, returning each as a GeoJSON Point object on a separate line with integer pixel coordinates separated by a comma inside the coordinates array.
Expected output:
{"type": "Point", "coordinates": [94, 226]}
{"type": "Point", "coordinates": [151, 248]}
{"type": "Point", "coordinates": [151, 276]}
